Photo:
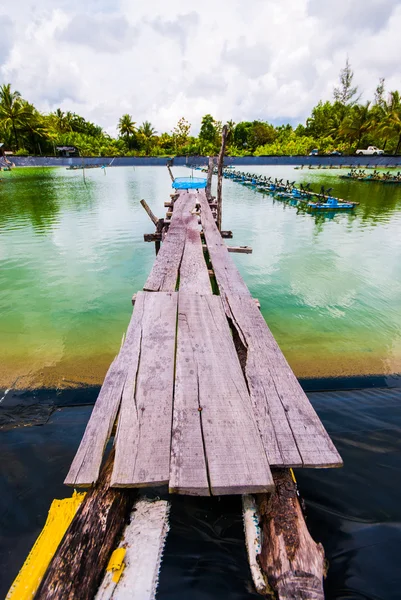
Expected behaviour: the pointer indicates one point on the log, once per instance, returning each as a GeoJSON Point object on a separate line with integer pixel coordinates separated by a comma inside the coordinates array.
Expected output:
{"type": "Point", "coordinates": [292, 562]}
{"type": "Point", "coordinates": [76, 569]}
{"type": "Point", "coordinates": [226, 234]}
{"type": "Point", "coordinates": [209, 177]}
{"type": "Point", "coordinates": [220, 165]}
{"type": "Point", "coordinates": [170, 172]}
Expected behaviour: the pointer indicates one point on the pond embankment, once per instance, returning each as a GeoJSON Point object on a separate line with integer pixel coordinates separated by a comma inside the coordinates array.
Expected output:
{"type": "Point", "coordinates": [147, 161]}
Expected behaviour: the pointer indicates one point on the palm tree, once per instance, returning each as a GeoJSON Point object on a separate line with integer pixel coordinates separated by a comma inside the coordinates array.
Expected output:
{"type": "Point", "coordinates": [391, 123]}
{"type": "Point", "coordinates": [148, 132]}
{"type": "Point", "coordinates": [14, 111]}
{"type": "Point", "coordinates": [126, 127]}
{"type": "Point", "coordinates": [358, 122]}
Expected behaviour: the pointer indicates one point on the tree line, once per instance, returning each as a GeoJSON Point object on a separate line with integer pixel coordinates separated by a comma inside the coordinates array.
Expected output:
{"type": "Point", "coordinates": [343, 124]}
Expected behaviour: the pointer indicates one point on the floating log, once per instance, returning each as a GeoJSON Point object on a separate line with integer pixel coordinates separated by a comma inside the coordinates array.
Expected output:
{"type": "Point", "coordinates": [220, 176]}
{"type": "Point", "coordinates": [76, 569]}
{"type": "Point", "coordinates": [292, 562]}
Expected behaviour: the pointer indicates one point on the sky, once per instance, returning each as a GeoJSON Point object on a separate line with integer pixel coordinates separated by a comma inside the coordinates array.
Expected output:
{"type": "Point", "coordinates": [159, 61]}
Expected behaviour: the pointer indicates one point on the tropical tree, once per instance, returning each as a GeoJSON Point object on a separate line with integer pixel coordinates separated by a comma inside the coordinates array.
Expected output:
{"type": "Point", "coordinates": [358, 123]}
{"type": "Point", "coordinates": [126, 128]}
{"type": "Point", "coordinates": [345, 93]}
{"type": "Point", "coordinates": [14, 111]}
{"type": "Point", "coordinates": [390, 125]}
{"type": "Point", "coordinates": [181, 133]}
{"type": "Point", "coordinates": [147, 132]}
{"type": "Point", "coordinates": [208, 135]}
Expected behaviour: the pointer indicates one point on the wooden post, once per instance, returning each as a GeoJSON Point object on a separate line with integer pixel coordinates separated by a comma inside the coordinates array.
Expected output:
{"type": "Point", "coordinates": [209, 178]}
{"type": "Point", "coordinates": [157, 222]}
{"type": "Point", "coordinates": [152, 217]}
{"type": "Point", "coordinates": [171, 173]}
{"type": "Point", "coordinates": [220, 175]}
{"type": "Point", "coordinates": [292, 562]}
{"type": "Point", "coordinates": [76, 569]}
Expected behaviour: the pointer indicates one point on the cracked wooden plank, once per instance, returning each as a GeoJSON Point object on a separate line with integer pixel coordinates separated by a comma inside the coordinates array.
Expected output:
{"type": "Point", "coordinates": [215, 425]}
{"type": "Point", "coordinates": [291, 431]}
{"type": "Point", "coordinates": [144, 426]}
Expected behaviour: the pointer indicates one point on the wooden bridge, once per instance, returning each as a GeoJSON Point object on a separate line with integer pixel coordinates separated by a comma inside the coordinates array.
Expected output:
{"type": "Point", "coordinates": [188, 415]}
{"type": "Point", "coordinates": [200, 399]}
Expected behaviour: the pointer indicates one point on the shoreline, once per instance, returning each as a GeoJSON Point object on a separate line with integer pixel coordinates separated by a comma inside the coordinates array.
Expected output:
{"type": "Point", "coordinates": [127, 161]}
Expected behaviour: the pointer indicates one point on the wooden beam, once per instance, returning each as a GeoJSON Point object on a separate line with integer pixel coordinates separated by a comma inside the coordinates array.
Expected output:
{"type": "Point", "coordinates": [293, 563]}
{"type": "Point", "coordinates": [76, 569]}
{"type": "Point", "coordinates": [238, 249]}
{"type": "Point", "coordinates": [220, 176]}
{"type": "Point", "coordinates": [152, 237]}
{"type": "Point", "coordinates": [209, 177]}
{"type": "Point", "coordinates": [226, 234]}
{"type": "Point", "coordinates": [170, 172]}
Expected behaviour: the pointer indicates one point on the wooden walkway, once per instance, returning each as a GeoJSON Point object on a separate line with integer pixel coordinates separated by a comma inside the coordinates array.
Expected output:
{"type": "Point", "coordinates": [189, 413]}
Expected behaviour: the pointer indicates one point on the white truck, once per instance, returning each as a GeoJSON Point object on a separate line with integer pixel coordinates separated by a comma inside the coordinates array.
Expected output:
{"type": "Point", "coordinates": [370, 151]}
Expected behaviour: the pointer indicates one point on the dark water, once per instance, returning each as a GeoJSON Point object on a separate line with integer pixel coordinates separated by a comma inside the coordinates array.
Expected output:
{"type": "Point", "coordinates": [355, 511]}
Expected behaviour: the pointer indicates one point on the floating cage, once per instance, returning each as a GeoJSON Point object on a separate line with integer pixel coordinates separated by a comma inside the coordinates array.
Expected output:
{"type": "Point", "coordinates": [189, 183]}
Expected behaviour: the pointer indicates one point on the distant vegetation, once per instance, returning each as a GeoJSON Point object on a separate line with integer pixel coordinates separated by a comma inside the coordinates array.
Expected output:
{"type": "Point", "coordinates": [343, 125]}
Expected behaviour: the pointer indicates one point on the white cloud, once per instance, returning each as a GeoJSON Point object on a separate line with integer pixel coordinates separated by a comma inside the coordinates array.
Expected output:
{"type": "Point", "coordinates": [160, 61]}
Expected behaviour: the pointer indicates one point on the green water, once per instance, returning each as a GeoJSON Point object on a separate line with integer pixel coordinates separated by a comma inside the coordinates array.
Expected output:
{"type": "Point", "coordinates": [72, 254]}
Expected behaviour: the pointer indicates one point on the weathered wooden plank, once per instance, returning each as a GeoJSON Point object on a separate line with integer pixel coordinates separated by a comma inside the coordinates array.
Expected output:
{"type": "Point", "coordinates": [291, 431]}
{"type": "Point", "coordinates": [227, 273]}
{"type": "Point", "coordinates": [143, 540]}
{"type": "Point", "coordinates": [213, 391]}
{"type": "Point", "coordinates": [194, 276]}
{"type": "Point", "coordinates": [144, 426]}
{"type": "Point", "coordinates": [85, 467]}
{"type": "Point", "coordinates": [164, 273]}
{"type": "Point", "coordinates": [188, 471]}
{"type": "Point", "coordinates": [77, 567]}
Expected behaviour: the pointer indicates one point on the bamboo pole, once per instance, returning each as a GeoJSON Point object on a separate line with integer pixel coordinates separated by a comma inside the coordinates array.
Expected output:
{"type": "Point", "coordinates": [220, 176]}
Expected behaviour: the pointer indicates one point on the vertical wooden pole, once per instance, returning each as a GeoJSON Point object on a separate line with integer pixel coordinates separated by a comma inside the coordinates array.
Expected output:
{"type": "Point", "coordinates": [209, 178]}
{"type": "Point", "coordinates": [220, 176]}
{"type": "Point", "coordinates": [171, 173]}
